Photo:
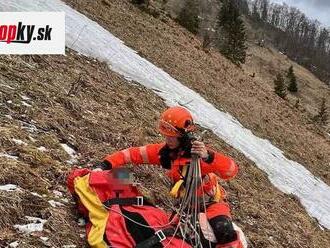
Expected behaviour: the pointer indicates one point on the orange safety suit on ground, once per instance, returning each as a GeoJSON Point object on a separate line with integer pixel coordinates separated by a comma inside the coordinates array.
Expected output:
{"type": "Point", "coordinates": [175, 160]}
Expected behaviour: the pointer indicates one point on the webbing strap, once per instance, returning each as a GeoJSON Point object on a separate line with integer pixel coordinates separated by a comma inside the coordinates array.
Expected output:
{"type": "Point", "coordinates": [129, 201]}
{"type": "Point", "coordinates": [175, 191]}
{"type": "Point", "coordinates": [158, 237]}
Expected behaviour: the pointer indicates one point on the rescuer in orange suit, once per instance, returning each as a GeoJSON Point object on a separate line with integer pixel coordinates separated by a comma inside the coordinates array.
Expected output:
{"type": "Point", "coordinates": [176, 125]}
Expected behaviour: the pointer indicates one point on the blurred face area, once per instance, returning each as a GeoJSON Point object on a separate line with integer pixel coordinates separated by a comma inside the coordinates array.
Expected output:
{"type": "Point", "coordinates": [172, 142]}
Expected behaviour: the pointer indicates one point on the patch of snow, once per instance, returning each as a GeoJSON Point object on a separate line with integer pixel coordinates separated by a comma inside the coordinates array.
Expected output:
{"type": "Point", "coordinates": [26, 104]}
{"type": "Point", "coordinates": [25, 98]}
{"type": "Point", "coordinates": [89, 112]}
{"type": "Point", "coordinates": [81, 222]}
{"type": "Point", "coordinates": [57, 193]}
{"type": "Point", "coordinates": [65, 200]}
{"type": "Point", "coordinates": [44, 238]}
{"type": "Point", "coordinates": [72, 161]}
{"type": "Point", "coordinates": [69, 246]}
{"type": "Point", "coordinates": [32, 139]}
{"type": "Point", "coordinates": [96, 42]}
{"type": "Point", "coordinates": [7, 86]}
{"type": "Point", "coordinates": [71, 152]}
{"type": "Point", "coordinates": [13, 244]}
{"type": "Point", "coordinates": [10, 101]}
{"type": "Point", "coordinates": [29, 127]}
{"type": "Point", "coordinates": [8, 187]}
{"type": "Point", "coordinates": [55, 204]}
{"type": "Point", "coordinates": [36, 194]}
{"type": "Point", "coordinates": [5, 155]}
{"type": "Point", "coordinates": [36, 225]}
{"type": "Point", "coordinates": [9, 117]}
{"type": "Point", "coordinates": [35, 219]}
{"type": "Point", "coordinates": [19, 142]}
{"type": "Point", "coordinates": [42, 149]}
{"type": "Point", "coordinates": [68, 149]}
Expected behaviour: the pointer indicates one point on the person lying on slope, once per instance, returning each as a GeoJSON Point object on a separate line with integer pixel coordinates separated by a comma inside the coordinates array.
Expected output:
{"type": "Point", "coordinates": [177, 126]}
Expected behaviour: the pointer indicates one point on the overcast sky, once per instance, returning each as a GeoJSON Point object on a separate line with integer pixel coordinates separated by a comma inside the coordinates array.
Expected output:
{"type": "Point", "coordinates": [315, 9]}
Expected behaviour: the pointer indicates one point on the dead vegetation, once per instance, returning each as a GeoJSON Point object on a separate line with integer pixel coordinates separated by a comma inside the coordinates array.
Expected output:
{"type": "Point", "coordinates": [79, 102]}
{"type": "Point", "coordinates": [102, 114]}
{"type": "Point", "coordinates": [229, 88]}
{"type": "Point", "coordinates": [266, 62]}
{"type": "Point", "coordinates": [113, 115]}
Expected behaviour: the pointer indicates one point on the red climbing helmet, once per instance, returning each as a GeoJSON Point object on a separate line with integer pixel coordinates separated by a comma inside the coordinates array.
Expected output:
{"type": "Point", "coordinates": [176, 121]}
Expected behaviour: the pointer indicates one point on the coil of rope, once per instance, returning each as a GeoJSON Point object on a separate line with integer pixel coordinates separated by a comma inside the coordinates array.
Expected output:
{"type": "Point", "coordinates": [191, 205]}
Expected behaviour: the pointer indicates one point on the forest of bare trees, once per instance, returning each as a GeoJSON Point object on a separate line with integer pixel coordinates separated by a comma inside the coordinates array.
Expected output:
{"type": "Point", "coordinates": [302, 39]}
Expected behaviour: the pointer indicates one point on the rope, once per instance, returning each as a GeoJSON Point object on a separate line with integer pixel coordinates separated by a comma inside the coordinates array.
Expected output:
{"type": "Point", "coordinates": [191, 202]}
{"type": "Point", "coordinates": [189, 208]}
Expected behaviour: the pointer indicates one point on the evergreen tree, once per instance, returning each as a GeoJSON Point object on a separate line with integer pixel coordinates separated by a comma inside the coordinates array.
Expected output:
{"type": "Point", "coordinates": [255, 11]}
{"type": "Point", "coordinates": [322, 116]}
{"type": "Point", "coordinates": [280, 88]}
{"type": "Point", "coordinates": [293, 87]}
{"type": "Point", "coordinates": [243, 6]}
{"type": "Point", "coordinates": [188, 16]}
{"type": "Point", "coordinates": [264, 10]}
{"type": "Point", "coordinates": [231, 31]}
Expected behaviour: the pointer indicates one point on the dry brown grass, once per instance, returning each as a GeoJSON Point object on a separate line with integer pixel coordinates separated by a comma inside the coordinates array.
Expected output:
{"type": "Point", "coordinates": [179, 53]}
{"type": "Point", "coordinates": [98, 117]}
{"type": "Point", "coordinates": [105, 113]}
{"type": "Point", "coordinates": [266, 62]}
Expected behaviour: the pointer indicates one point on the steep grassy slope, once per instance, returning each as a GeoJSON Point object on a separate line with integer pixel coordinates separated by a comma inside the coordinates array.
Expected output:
{"type": "Point", "coordinates": [267, 61]}
{"type": "Point", "coordinates": [80, 102]}
{"type": "Point", "coordinates": [179, 53]}
{"type": "Point", "coordinates": [47, 101]}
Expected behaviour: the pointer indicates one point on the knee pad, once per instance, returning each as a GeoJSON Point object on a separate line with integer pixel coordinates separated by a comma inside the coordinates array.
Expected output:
{"type": "Point", "coordinates": [223, 229]}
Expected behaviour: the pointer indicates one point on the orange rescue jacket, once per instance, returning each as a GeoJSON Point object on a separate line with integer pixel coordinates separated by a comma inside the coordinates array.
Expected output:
{"type": "Point", "coordinates": [160, 154]}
